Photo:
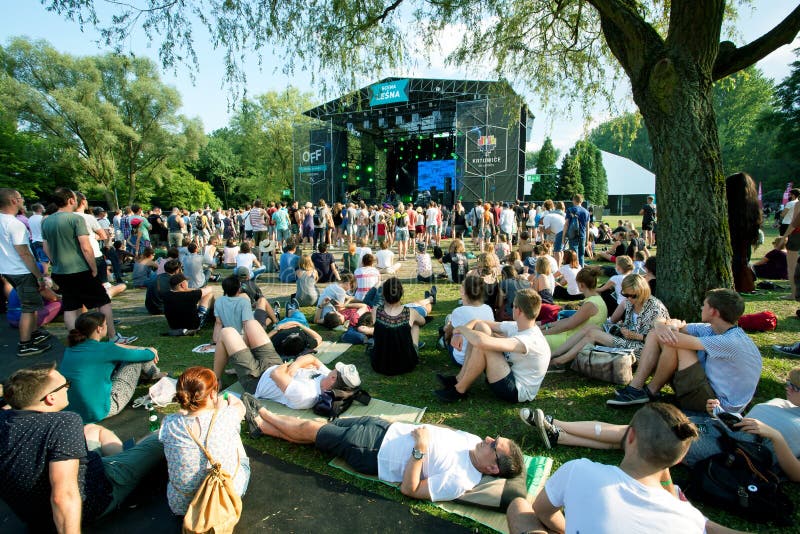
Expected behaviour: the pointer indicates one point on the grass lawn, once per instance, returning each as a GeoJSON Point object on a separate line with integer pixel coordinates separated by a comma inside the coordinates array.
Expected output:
{"type": "Point", "coordinates": [567, 396]}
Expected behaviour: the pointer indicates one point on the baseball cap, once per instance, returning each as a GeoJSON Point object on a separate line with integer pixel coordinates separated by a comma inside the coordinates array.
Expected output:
{"type": "Point", "coordinates": [348, 375]}
{"type": "Point", "coordinates": [243, 273]}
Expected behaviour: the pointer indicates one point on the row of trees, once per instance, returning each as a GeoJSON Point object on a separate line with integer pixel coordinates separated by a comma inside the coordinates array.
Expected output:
{"type": "Point", "coordinates": [581, 172]}
{"type": "Point", "coordinates": [757, 123]}
{"type": "Point", "coordinates": [109, 126]}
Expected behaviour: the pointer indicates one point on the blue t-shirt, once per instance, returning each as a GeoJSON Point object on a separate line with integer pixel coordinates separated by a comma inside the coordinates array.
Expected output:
{"type": "Point", "coordinates": [581, 214]}
{"type": "Point", "coordinates": [88, 366]}
{"type": "Point", "coordinates": [233, 311]}
{"type": "Point", "coordinates": [288, 266]}
{"type": "Point", "coordinates": [732, 364]}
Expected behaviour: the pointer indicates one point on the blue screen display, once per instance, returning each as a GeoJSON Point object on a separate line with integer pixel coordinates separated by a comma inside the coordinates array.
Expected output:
{"type": "Point", "coordinates": [435, 173]}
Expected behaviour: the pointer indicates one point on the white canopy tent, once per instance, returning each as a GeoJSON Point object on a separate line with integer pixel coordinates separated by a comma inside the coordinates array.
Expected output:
{"type": "Point", "coordinates": [626, 177]}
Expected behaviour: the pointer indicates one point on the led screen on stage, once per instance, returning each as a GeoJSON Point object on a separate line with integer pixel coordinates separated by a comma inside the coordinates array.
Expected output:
{"type": "Point", "coordinates": [435, 174]}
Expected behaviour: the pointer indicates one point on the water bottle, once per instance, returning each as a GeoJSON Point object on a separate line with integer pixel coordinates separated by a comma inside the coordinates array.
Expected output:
{"type": "Point", "coordinates": [152, 417]}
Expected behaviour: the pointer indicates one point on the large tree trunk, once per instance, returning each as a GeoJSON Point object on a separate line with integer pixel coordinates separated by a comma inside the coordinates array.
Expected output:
{"type": "Point", "coordinates": [694, 253]}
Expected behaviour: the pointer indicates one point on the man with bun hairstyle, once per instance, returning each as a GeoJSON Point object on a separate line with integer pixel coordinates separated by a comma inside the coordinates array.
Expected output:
{"type": "Point", "coordinates": [637, 496]}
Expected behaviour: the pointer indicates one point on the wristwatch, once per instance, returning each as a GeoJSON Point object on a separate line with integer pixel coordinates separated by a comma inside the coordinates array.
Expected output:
{"type": "Point", "coordinates": [417, 454]}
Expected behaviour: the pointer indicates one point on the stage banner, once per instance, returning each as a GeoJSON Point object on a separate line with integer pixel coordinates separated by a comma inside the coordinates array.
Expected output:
{"type": "Point", "coordinates": [312, 161]}
{"type": "Point", "coordinates": [488, 140]}
{"type": "Point", "coordinates": [388, 92]}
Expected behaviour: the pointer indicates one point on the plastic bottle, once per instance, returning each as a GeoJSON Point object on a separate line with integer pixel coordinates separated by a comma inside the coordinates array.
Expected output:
{"type": "Point", "coordinates": [152, 416]}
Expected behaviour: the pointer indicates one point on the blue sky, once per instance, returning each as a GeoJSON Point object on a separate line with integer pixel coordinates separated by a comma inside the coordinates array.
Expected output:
{"type": "Point", "coordinates": [207, 98]}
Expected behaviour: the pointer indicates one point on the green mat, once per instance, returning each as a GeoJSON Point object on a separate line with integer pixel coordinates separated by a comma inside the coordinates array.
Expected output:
{"type": "Point", "coordinates": [537, 470]}
{"type": "Point", "coordinates": [378, 408]}
{"type": "Point", "coordinates": [330, 350]}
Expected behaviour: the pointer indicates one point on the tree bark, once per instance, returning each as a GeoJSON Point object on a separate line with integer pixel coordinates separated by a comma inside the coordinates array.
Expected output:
{"type": "Point", "coordinates": [694, 253]}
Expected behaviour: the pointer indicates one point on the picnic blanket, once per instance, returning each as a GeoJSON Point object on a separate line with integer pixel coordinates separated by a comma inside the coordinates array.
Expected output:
{"type": "Point", "coordinates": [330, 350]}
{"type": "Point", "coordinates": [377, 408]}
{"type": "Point", "coordinates": [535, 472]}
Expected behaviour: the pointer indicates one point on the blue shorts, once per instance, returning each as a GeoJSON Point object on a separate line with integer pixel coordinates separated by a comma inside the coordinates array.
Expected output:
{"type": "Point", "coordinates": [505, 388]}
{"type": "Point", "coordinates": [420, 309]}
{"type": "Point", "coordinates": [401, 234]}
{"type": "Point", "coordinates": [38, 251]}
{"type": "Point", "coordinates": [558, 244]}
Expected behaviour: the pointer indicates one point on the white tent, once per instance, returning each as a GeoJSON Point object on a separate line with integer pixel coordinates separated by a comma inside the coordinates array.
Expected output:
{"type": "Point", "coordinates": [627, 178]}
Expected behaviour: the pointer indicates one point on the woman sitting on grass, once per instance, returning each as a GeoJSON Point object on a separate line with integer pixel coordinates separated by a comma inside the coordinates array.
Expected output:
{"type": "Point", "coordinates": [144, 269]}
{"type": "Point", "coordinates": [307, 277]}
{"type": "Point", "coordinates": [593, 311]}
{"type": "Point", "coordinates": [566, 276]}
{"type": "Point", "coordinates": [543, 281]}
{"type": "Point", "coordinates": [641, 312]}
{"type": "Point", "coordinates": [229, 254]}
{"type": "Point", "coordinates": [211, 419]}
{"type": "Point", "coordinates": [103, 375]}
{"type": "Point", "coordinates": [488, 268]}
{"type": "Point", "coordinates": [396, 332]}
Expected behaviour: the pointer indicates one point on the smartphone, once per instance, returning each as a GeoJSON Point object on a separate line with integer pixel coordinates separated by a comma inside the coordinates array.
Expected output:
{"type": "Point", "coordinates": [730, 419]}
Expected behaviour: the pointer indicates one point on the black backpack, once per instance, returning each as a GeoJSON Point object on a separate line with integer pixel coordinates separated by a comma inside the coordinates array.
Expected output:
{"type": "Point", "coordinates": [740, 480]}
{"type": "Point", "coordinates": [333, 403]}
{"type": "Point", "coordinates": [318, 217]}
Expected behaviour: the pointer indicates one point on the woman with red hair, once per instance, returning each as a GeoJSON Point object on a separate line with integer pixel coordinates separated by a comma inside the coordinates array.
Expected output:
{"type": "Point", "coordinates": [215, 421]}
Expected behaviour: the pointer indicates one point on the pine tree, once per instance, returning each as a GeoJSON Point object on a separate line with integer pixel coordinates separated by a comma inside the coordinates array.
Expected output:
{"type": "Point", "coordinates": [546, 166]}
{"type": "Point", "coordinates": [569, 182]}
{"type": "Point", "coordinates": [601, 179]}
{"type": "Point", "coordinates": [586, 158]}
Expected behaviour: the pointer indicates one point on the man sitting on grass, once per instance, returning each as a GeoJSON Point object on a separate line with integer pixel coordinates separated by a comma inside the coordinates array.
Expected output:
{"type": "Point", "coordinates": [637, 496]}
{"type": "Point", "coordinates": [513, 354]}
{"type": "Point", "coordinates": [711, 360]}
{"type": "Point", "coordinates": [51, 479]}
{"type": "Point", "coordinates": [429, 461]}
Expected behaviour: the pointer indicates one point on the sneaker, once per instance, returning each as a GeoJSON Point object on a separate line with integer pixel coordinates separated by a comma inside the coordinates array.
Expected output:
{"type": "Point", "coordinates": [547, 431]}
{"type": "Point", "coordinates": [24, 350]}
{"type": "Point", "coordinates": [433, 292]}
{"type": "Point", "coordinates": [119, 339]}
{"type": "Point", "coordinates": [448, 381]}
{"type": "Point", "coordinates": [449, 394]}
{"type": "Point", "coordinates": [276, 307]}
{"type": "Point", "coordinates": [628, 396]}
{"type": "Point", "coordinates": [251, 408]}
{"type": "Point", "coordinates": [40, 336]}
{"type": "Point", "coordinates": [789, 350]}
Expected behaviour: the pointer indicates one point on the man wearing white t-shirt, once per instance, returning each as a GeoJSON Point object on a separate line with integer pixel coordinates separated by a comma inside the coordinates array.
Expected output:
{"type": "Point", "coordinates": [298, 384]}
{"type": "Point", "coordinates": [788, 210]}
{"type": "Point", "coordinates": [430, 462]}
{"type": "Point", "coordinates": [637, 496]}
{"type": "Point", "coordinates": [515, 363]}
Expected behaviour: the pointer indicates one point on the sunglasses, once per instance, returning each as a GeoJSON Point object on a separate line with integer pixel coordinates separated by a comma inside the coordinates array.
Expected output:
{"type": "Point", "coordinates": [65, 385]}
{"type": "Point", "coordinates": [629, 295]}
{"type": "Point", "coordinates": [494, 448]}
{"type": "Point", "coordinates": [792, 386]}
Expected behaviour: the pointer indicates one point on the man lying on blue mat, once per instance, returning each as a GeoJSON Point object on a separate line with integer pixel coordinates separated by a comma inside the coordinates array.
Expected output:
{"type": "Point", "coordinates": [429, 462]}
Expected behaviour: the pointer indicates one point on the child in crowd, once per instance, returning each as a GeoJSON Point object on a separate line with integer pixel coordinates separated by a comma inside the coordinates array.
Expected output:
{"type": "Point", "coordinates": [543, 281]}
{"type": "Point", "coordinates": [424, 265]}
{"type": "Point", "coordinates": [385, 258]}
{"type": "Point", "coordinates": [638, 262]}
{"type": "Point", "coordinates": [567, 287]}
{"type": "Point", "coordinates": [612, 290]}
{"type": "Point", "coordinates": [502, 248]}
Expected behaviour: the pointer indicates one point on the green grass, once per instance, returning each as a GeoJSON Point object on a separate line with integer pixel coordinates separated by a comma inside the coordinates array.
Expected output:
{"type": "Point", "coordinates": [567, 396]}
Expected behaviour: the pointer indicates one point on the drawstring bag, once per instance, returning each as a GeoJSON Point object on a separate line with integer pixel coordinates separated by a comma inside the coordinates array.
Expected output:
{"type": "Point", "coordinates": [216, 507]}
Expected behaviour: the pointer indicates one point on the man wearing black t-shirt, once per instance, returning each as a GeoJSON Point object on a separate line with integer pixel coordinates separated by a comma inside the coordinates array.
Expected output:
{"type": "Point", "coordinates": [159, 287]}
{"type": "Point", "coordinates": [184, 308]}
{"type": "Point", "coordinates": [50, 478]}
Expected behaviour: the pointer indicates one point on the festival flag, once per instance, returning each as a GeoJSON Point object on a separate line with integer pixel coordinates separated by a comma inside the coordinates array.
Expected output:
{"type": "Point", "coordinates": [759, 196]}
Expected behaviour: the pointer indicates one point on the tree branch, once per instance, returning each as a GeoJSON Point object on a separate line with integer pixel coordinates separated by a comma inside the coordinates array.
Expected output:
{"type": "Point", "coordinates": [731, 59]}
{"type": "Point", "coordinates": [630, 38]}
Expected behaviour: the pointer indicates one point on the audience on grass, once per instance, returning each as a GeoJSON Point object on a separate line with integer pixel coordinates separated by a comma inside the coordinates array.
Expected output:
{"type": "Point", "coordinates": [637, 496]}
{"type": "Point", "coordinates": [103, 375]}
{"type": "Point", "coordinates": [714, 359]}
{"type": "Point", "coordinates": [209, 419]}
{"type": "Point", "coordinates": [512, 354]}
{"type": "Point", "coordinates": [592, 311]}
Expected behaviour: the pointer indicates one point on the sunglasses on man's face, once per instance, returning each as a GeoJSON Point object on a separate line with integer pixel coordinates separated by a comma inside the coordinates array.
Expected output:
{"type": "Point", "coordinates": [494, 448]}
{"type": "Point", "coordinates": [65, 385]}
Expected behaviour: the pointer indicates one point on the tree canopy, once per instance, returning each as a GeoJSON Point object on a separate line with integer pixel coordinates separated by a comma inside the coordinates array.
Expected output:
{"type": "Point", "coordinates": [670, 51]}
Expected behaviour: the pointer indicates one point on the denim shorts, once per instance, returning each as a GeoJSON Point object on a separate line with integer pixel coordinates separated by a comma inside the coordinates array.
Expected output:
{"type": "Point", "coordinates": [505, 388]}
{"type": "Point", "coordinates": [401, 234]}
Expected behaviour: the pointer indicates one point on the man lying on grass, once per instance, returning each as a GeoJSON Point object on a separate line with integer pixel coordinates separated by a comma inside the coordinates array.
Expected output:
{"type": "Point", "coordinates": [429, 462]}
